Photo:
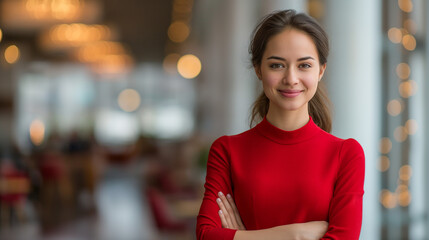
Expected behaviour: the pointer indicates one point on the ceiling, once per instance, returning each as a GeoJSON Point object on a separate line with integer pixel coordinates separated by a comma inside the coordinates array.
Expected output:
{"type": "Point", "coordinates": [141, 26]}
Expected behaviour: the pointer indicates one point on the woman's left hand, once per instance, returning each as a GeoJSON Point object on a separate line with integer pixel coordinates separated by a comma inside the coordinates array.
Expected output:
{"type": "Point", "coordinates": [228, 213]}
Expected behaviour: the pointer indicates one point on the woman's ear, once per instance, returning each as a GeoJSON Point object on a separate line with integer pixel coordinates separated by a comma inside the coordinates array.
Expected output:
{"type": "Point", "coordinates": [322, 71]}
{"type": "Point", "coordinates": [257, 69]}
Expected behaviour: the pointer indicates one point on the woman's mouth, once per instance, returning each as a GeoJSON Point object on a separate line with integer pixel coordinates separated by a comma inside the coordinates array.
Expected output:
{"type": "Point", "coordinates": [290, 93]}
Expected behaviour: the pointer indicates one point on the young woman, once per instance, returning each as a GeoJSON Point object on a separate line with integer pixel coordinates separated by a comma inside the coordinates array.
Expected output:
{"type": "Point", "coordinates": [287, 177]}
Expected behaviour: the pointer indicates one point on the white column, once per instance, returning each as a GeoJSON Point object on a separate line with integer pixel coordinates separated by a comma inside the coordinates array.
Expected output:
{"type": "Point", "coordinates": [227, 87]}
{"type": "Point", "coordinates": [354, 83]}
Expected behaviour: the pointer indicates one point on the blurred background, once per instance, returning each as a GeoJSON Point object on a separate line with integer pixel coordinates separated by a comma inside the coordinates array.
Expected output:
{"type": "Point", "coordinates": [108, 109]}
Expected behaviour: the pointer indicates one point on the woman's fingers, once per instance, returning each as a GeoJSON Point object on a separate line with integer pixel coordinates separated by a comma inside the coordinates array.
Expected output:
{"type": "Point", "coordinates": [234, 208]}
{"type": "Point", "coordinates": [223, 220]}
{"type": "Point", "coordinates": [225, 213]}
{"type": "Point", "coordinates": [231, 212]}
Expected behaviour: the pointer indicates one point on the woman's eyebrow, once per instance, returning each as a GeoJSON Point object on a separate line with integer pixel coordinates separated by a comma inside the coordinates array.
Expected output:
{"type": "Point", "coordinates": [276, 57]}
{"type": "Point", "coordinates": [299, 59]}
{"type": "Point", "coordinates": [305, 58]}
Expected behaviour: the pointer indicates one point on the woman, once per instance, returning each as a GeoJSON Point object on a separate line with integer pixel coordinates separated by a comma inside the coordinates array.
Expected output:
{"type": "Point", "coordinates": [287, 177]}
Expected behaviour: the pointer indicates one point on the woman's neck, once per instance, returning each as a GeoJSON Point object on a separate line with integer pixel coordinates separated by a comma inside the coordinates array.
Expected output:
{"type": "Point", "coordinates": [288, 120]}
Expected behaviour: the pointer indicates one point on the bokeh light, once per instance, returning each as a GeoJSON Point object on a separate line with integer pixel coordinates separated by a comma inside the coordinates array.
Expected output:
{"type": "Point", "coordinates": [403, 195]}
{"type": "Point", "coordinates": [400, 134]}
{"type": "Point", "coordinates": [405, 5]}
{"type": "Point", "coordinates": [178, 31]}
{"type": "Point", "coordinates": [394, 107]}
{"type": "Point", "coordinates": [407, 88]}
{"type": "Point", "coordinates": [11, 54]}
{"type": "Point", "coordinates": [170, 62]}
{"type": "Point", "coordinates": [395, 35]}
{"type": "Point", "coordinates": [403, 70]}
{"type": "Point", "coordinates": [189, 66]}
{"type": "Point", "coordinates": [410, 25]}
{"type": "Point", "coordinates": [1, 35]}
{"type": "Point", "coordinates": [129, 100]}
{"type": "Point", "coordinates": [37, 132]}
{"type": "Point", "coordinates": [411, 126]}
{"type": "Point", "coordinates": [385, 145]}
{"type": "Point", "coordinates": [388, 199]}
{"type": "Point", "coordinates": [405, 173]}
{"type": "Point", "coordinates": [383, 163]}
{"type": "Point", "coordinates": [409, 42]}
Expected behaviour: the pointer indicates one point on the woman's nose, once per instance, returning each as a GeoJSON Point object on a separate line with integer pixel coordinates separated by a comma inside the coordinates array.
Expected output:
{"type": "Point", "coordinates": [290, 77]}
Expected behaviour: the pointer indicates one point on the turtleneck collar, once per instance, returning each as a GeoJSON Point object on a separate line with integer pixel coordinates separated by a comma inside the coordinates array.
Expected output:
{"type": "Point", "coordinates": [278, 135]}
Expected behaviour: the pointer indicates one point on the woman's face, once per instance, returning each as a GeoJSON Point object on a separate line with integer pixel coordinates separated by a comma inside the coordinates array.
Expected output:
{"type": "Point", "coordinates": [290, 71]}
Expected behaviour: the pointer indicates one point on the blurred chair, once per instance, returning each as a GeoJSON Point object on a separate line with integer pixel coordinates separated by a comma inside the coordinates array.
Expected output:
{"type": "Point", "coordinates": [14, 188]}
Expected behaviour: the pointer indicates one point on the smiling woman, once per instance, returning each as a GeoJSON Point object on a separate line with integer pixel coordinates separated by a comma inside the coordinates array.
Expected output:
{"type": "Point", "coordinates": [287, 177]}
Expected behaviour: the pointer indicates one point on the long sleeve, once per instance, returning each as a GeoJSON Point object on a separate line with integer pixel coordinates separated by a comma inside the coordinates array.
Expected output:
{"type": "Point", "coordinates": [218, 178]}
{"type": "Point", "coordinates": [345, 212]}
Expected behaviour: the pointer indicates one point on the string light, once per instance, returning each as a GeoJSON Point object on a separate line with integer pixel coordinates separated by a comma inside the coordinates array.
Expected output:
{"type": "Point", "coordinates": [388, 199]}
{"type": "Point", "coordinates": [405, 5]}
{"type": "Point", "coordinates": [400, 134]}
{"type": "Point", "coordinates": [170, 62]}
{"type": "Point", "coordinates": [394, 107]}
{"type": "Point", "coordinates": [405, 173]}
{"type": "Point", "coordinates": [11, 54]}
{"type": "Point", "coordinates": [403, 70]}
{"type": "Point", "coordinates": [407, 88]}
{"type": "Point", "coordinates": [178, 31]}
{"type": "Point", "coordinates": [411, 126]}
{"type": "Point", "coordinates": [189, 66]}
{"type": "Point", "coordinates": [37, 132]}
{"type": "Point", "coordinates": [383, 163]}
{"type": "Point", "coordinates": [394, 35]}
{"type": "Point", "coordinates": [409, 42]}
{"type": "Point", "coordinates": [385, 145]}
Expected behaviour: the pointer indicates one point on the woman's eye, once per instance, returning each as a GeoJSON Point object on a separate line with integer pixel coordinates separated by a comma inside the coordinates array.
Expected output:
{"type": "Point", "coordinates": [276, 65]}
{"type": "Point", "coordinates": [305, 65]}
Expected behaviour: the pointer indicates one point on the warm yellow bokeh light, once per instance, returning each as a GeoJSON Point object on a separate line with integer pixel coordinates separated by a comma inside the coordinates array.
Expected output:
{"type": "Point", "coordinates": [388, 199]}
{"type": "Point", "coordinates": [407, 88]}
{"type": "Point", "coordinates": [410, 25]}
{"type": "Point", "coordinates": [403, 71]}
{"type": "Point", "coordinates": [411, 126]}
{"type": "Point", "coordinates": [170, 62]}
{"type": "Point", "coordinates": [129, 100]}
{"type": "Point", "coordinates": [316, 8]}
{"type": "Point", "coordinates": [405, 5]}
{"type": "Point", "coordinates": [57, 9]}
{"type": "Point", "coordinates": [409, 42]}
{"type": "Point", "coordinates": [405, 172]}
{"type": "Point", "coordinates": [383, 163]}
{"type": "Point", "coordinates": [178, 31]}
{"type": "Point", "coordinates": [11, 54]}
{"type": "Point", "coordinates": [37, 132]}
{"type": "Point", "coordinates": [394, 107]}
{"type": "Point", "coordinates": [394, 35]}
{"type": "Point", "coordinates": [189, 66]}
{"type": "Point", "coordinates": [400, 134]}
{"type": "Point", "coordinates": [1, 34]}
{"type": "Point", "coordinates": [385, 145]}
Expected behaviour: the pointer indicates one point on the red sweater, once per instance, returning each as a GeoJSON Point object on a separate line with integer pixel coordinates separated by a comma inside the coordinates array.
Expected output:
{"type": "Point", "coordinates": [279, 177]}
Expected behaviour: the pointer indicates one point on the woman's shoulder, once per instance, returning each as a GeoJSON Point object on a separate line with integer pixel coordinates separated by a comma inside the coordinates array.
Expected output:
{"type": "Point", "coordinates": [225, 140]}
{"type": "Point", "coordinates": [349, 144]}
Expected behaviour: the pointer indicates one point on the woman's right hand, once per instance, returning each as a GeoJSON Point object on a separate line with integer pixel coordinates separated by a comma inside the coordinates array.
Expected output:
{"type": "Point", "coordinates": [311, 230]}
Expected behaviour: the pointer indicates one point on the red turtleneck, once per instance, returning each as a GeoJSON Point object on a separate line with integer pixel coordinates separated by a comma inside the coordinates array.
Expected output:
{"type": "Point", "coordinates": [279, 177]}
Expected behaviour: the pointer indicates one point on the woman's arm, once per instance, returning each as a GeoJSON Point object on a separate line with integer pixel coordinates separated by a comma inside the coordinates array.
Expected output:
{"type": "Point", "coordinates": [345, 211]}
{"type": "Point", "coordinates": [231, 219]}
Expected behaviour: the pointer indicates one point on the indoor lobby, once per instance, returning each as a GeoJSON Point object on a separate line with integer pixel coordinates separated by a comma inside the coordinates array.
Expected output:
{"type": "Point", "coordinates": [108, 110]}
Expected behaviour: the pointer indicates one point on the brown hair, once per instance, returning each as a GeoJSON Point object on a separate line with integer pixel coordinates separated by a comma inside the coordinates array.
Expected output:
{"type": "Point", "coordinates": [274, 23]}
